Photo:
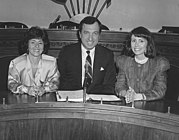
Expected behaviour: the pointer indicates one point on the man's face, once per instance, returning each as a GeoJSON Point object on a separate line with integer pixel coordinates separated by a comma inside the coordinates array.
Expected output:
{"type": "Point", "coordinates": [90, 35]}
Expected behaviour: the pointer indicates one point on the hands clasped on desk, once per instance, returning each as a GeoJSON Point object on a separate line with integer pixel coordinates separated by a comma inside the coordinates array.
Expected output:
{"type": "Point", "coordinates": [36, 91]}
{"type": "Point", "coordinates": [141, 76]}
{"type": "Point", "coordinates": [33, 72]}
{"type": "Point", "coordinates": [131, 96]}
{"type": "Point", "coordinates": [141, 72]}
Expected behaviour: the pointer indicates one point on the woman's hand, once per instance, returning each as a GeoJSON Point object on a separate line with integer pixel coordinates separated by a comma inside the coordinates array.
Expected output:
{"type": "Point", "coordinates": [40, 90]}
{"type": "Point", "coordinates": [32, 91]}
{"type": "Point", "coordinates": [130, 95]}
{"type": "Point", "coordinates": [36, 90]}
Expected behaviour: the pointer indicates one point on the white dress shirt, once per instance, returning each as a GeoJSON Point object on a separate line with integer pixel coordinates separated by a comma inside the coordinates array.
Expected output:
{"type": "Point", "coordinates": [84, 55]}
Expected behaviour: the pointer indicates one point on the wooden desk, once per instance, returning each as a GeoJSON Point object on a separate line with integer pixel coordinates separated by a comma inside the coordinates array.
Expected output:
{"type": "Point", "coordinates": [10, 98]}
{"type": "Point", "coordinates": [162, 106]}
{"type": "Point", "coordinates": [90, 121]}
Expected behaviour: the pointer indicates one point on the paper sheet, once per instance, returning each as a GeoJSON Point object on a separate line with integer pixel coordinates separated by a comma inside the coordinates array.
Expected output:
{"type": "Point", "coordinates": [99, 97]}
{"type": "Point", "coordinates": [77, 96]}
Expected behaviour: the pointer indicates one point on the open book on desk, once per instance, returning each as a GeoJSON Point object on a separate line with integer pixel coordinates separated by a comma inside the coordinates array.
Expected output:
{"type": "Point", "coordinates": [77, 96]}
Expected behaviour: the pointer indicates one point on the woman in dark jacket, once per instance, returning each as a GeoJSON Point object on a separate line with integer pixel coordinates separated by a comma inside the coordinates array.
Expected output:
{"type": "Point", "coordinates": [142, 74]}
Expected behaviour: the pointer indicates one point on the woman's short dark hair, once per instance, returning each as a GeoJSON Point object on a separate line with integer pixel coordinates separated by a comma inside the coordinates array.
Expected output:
{"type": "Point", "coordinates": [144, 33]}
{"type": "Point", "coordinates": [89, 20]}
{"type": "Point", "coordinates": [34, 32]}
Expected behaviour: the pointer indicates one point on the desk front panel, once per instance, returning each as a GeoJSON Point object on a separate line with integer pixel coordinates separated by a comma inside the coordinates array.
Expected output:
{"type": "Point", "coordinates": [49, 120]}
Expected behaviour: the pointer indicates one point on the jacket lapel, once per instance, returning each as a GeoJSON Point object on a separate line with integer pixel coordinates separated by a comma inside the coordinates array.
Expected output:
{"type": "Point", "coordinates": [97, 62]}
{"type": "Point", "coordinates": [78, 62]}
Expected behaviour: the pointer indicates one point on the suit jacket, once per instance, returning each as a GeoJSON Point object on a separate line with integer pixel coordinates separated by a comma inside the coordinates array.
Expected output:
{"type": "Point", "coordinates": [149, 79]}
{"type": "Point", "coordinates": [70, 67]}
{"type": "Point", "coordinates": [20, 74]}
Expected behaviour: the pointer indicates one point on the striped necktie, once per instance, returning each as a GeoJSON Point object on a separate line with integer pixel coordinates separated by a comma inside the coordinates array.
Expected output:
{"type": "Point", "coordinates": [88, 71]}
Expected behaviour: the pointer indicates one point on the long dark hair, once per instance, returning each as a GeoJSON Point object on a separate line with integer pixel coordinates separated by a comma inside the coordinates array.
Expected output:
{"type": "Point", "coordinates": [144, 33]}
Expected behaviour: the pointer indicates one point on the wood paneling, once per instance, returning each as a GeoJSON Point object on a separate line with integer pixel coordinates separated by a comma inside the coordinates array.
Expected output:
{"type": "Point", "coordinates": [168, 44]}
{"type": "Point", "coordinates": [78, 121]}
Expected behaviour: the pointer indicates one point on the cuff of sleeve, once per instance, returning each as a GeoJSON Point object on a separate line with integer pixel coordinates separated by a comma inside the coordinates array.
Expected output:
{"type": "Point", "coordinates": [47, 89]}
{"type": "Point", "coordinates": [122, 93]}
{"type": "Point", "coordinates": [144, 97]}
{"type": "Point", "coordinates": [21, 89]}
{"type": "Point", "coordinates": [140, 97]}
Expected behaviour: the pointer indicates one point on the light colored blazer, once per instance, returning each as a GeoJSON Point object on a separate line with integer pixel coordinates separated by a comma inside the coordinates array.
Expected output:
{"type": "Point", "coordinates": [20, 74]}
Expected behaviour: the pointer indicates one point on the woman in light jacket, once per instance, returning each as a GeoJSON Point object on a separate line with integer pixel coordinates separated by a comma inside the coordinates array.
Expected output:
{"type": "Point", "coordinates": [33, 72]}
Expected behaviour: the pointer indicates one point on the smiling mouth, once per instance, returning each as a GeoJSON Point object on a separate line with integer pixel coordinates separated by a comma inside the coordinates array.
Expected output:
{"type": "Point", "coordinates": [137, 49]}
{"type": "Point", "coordinates": [90, 43]}
{"type": "Point", "coordinates": [36, 50]}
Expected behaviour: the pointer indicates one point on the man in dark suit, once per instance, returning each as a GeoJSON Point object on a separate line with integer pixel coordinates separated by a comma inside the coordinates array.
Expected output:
{"type": "Point", "coordinates": [72, 61]}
